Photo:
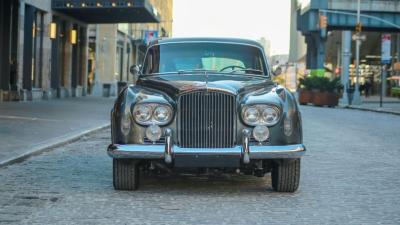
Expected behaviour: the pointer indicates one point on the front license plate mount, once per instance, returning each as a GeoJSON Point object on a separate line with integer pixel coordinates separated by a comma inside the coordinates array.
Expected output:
{"type": "Point", "coordinates": [206, 161]}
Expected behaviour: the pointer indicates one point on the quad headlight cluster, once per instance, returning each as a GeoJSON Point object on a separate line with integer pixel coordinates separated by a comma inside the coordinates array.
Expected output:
{"type": "Point", "coordinates": [152, 114]}
{"type": "Point", "coordinates": [260, 115]}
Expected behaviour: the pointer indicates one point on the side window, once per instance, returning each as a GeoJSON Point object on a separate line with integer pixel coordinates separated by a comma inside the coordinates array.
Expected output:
{"type": "Point", "coordinates": [260, 63]}
{"type": "Point", "coordinates": [151, 62]}
{"type": "Point", "coordinates": [146, 63]}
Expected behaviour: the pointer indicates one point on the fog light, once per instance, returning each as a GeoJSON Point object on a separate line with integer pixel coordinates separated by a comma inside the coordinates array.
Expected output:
{"type": "Point", "coordinates": [261, 133]}
{"type": "Point", "coordinates": [153, 133]}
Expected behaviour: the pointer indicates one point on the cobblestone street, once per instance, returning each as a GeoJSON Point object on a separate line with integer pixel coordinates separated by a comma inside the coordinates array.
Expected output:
{"type": "Point", "coordinates": [350, 175]}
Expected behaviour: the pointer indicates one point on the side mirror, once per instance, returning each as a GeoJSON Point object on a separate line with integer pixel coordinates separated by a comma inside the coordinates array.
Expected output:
{"type": "Point", "coordinates": [135, 70]}
{"type": "Point", "coordinates": [277, 71]}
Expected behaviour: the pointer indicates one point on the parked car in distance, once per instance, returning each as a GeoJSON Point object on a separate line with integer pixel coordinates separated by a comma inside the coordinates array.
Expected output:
{"type": "Point", "coordinates": [202, 104]}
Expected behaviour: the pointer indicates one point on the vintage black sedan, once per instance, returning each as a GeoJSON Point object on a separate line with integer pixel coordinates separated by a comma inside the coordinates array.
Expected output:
{"type": "Point", "coordinates": [206, 104]}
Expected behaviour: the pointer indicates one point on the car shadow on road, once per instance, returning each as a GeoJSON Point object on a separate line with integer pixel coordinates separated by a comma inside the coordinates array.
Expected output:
{"type": "Point", "coordinates": [198, 184]}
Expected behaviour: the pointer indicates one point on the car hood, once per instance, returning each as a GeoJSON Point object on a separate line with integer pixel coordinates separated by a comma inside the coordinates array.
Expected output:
{"type": "Point", "coordinates": [176, 84]}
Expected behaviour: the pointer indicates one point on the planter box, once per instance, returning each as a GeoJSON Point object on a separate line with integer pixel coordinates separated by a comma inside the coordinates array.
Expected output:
{"type": "Point", "coordinates": [305, 97]}
{"type": "Point", "coordinates": [325, 99]}
{"type": "Point", "coordinates": [333, 99]}
{"type": "Point", "coordinates": [395, 92]}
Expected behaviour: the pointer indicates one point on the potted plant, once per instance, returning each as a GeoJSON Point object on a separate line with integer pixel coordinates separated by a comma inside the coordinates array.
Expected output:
{"type": "Point", "coordinates": [396, 92]}
{"type": "Point", "coordinates": [320, 90]}
{"type": "Point", "coordinates": [305, 90]}
{"type": "Point", "coordinates": [333, 89]}
{"type": "Point", "coordinates": [327, 91]}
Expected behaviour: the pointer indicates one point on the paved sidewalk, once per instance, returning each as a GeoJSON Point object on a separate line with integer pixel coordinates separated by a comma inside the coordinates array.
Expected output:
{"type": "Point", "coordinates": [390, 105]}
{"type": "Point", "coordinates": [28, 127]}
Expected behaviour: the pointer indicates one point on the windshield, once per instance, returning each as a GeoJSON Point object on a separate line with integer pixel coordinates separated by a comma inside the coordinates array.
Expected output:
{"type": "Point", "coordinates": [216, 57]}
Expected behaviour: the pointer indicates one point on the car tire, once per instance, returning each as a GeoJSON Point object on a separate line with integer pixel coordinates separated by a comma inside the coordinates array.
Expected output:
{"type": "Point", "coordinates": [125, 175]}
{"type": "Point", "coordinates": [285, 175]}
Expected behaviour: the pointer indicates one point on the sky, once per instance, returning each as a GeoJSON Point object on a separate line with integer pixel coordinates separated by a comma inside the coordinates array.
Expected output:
{"type": "Point", "coordinates": [251, 19]}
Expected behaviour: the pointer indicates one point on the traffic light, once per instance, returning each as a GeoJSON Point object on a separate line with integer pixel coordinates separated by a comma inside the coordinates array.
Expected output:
{"type": "Point", "coordinates": [358, 28]}
{"type": "Point", "coordinates": [323, 22]}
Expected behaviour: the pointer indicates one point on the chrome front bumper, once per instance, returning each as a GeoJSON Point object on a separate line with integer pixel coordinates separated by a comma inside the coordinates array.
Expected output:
{"type": "Point", "coordinates": [158, 152]}
{"type": "Point", "coordinates": [168, 151]}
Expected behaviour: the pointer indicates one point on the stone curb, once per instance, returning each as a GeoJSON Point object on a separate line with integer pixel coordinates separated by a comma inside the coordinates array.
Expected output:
{"type": "Point", "coordinates": [371, 110]}
{"type": "Point", "coordinates": [51, 145]}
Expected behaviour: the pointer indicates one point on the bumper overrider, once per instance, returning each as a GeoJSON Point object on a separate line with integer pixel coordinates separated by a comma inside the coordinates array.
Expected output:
{"type": "Point", "coordinates": [168, 151]}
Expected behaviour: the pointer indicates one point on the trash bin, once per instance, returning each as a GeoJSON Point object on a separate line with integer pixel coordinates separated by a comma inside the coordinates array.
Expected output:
{"type": "Point", "coordinates": [106, 90]}
{"type": "Point", "coordinates": [121, 85]}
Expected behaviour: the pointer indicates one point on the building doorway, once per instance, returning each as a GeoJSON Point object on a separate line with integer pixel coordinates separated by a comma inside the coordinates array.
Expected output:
{"type": "Point", "coordinates": [58, 57]}
{"type": "Point", "coordinates": [33, 48]}
{"type": "Point", "coordinates": [8, 45]}
{"type": "Point", "coordinates": [37, 49]}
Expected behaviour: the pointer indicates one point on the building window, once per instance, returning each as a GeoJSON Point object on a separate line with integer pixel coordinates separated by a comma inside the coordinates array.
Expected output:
{"type": "Point", "coordinates": [119, 62]}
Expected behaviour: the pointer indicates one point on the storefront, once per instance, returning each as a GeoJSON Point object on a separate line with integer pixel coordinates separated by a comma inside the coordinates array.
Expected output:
{"type": "Point", "coordinates": [69, 58]}
{"type": "Point", "coordinates": [45, 45]}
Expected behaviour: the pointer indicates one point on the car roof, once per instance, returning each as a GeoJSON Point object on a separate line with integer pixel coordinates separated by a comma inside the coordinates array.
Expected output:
{"type": "Point", "coordinates": [206, 39]}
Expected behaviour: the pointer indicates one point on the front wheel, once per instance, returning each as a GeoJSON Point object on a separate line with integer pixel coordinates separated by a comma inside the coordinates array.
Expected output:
{"type": "Point", "coordinates": [125, 175]}
{"type": "Point", "coordinates": [286, 175]}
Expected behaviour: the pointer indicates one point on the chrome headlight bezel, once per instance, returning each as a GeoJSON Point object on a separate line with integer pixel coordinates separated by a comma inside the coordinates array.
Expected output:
{"type": "Point", "coordinates": [152, 119]}
{"type": "Point", "coordinates": [262, 120]}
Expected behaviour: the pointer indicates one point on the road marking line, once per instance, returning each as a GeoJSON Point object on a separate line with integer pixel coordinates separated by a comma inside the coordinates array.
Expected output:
{"type": "Point", "coordinates": [26, 118]}
{"type": "Point", "coordinates": [49, 145]}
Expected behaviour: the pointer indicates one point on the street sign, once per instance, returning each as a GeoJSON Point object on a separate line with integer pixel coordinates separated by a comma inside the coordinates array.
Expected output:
{"type": "Point", "coordinates": [359, 36]}
{"type": "Point", "coordinates": [150, 35]}
{"type": "Point", "coordinates": [386, 51]}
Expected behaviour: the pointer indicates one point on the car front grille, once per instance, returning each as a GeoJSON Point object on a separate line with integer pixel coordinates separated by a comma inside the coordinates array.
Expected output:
{"type": "Point", "coordinates": [206, 120]}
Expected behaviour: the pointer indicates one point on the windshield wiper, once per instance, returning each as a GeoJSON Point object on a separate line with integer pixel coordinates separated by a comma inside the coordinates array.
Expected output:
{"type": "Point", "coordinates": [195, 70]}
{"type": "Point", "coordinates": [260, 72]}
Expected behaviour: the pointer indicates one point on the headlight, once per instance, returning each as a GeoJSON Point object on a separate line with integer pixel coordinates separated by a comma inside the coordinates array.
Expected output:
{"type": "Point", "coordinates": [152, 113]}
{"type": "Point", "coordinates": [251, 115]}
{"type": "Point", "coordinates": [270, 115]}
{"type": "Point", "coordinates": [153, 133]}
{"type": "Point", "coordinates": [142, 113]}
{"type": "Point", "coordinates": [162, 114]}
{"type": "Point", "coordinates": [261, 133]}
{"type": "Point", "coordinates": [265, 115]}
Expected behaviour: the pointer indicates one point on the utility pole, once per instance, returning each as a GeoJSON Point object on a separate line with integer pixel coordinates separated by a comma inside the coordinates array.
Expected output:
{"type": "Point", "coordinates": [382, 89]}
{"type": "Point", "coordinates": [356, 97]}
{"type": "Point", "coordinates": [346, 55]}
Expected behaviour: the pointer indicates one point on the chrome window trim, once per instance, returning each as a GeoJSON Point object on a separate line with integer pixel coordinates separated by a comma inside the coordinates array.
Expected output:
{"type": "Point", "coordinates": [218, 42]}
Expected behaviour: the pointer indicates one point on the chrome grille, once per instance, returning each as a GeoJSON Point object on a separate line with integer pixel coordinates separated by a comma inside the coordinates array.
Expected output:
{"type": "Point", "coordinates": [206, 120]}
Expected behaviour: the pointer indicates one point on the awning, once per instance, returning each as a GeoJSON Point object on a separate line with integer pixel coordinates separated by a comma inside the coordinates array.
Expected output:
{"type": "Point", "coordinates": [105, 11]}
{"type": "Point", "coordinates": [394, 78]}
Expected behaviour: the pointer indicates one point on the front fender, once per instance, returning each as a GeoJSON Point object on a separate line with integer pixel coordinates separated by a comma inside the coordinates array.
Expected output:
{"type": "Point", "coordinates": [123, 106]}
{"type": "Point", "coordinates": [293, 111]}
{"type": "Point", "coordinates": [286, 101]}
